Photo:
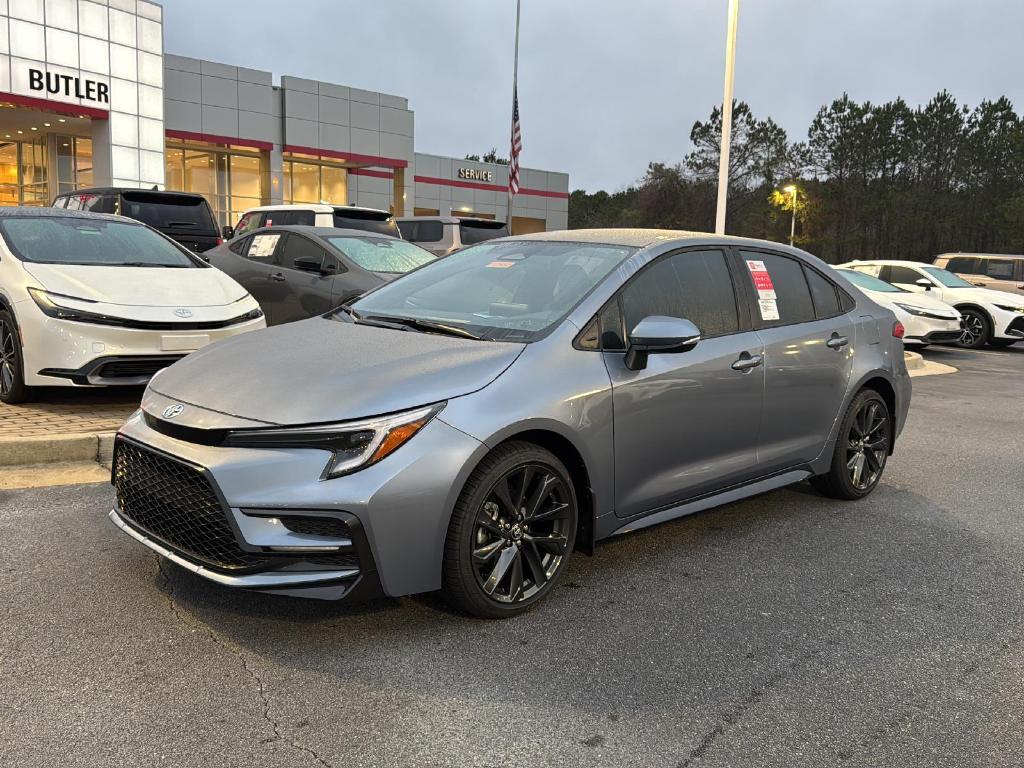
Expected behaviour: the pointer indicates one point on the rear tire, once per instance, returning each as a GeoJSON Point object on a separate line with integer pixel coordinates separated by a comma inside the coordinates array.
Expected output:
{"type": "Point", "coordinates": [12, 365]}
{"type": "Point", "coordinates": [862, 448]}
{"type": "Point", "coordinates": [511, 533]}
{"type": "Point", "coordinates": [977, 329]}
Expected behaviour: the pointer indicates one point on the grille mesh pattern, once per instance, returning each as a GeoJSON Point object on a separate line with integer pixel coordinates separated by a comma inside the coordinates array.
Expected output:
{"type": "Point", "coordinates": [317, 526]}
{"type": "Point", "coordinates": [131, 368]}
{"type": "Point", "coordinates": [177, 504]}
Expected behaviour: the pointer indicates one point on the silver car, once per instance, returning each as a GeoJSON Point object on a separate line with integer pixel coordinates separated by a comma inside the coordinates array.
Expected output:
{"type": "Point", "coordinates": [471, 424]}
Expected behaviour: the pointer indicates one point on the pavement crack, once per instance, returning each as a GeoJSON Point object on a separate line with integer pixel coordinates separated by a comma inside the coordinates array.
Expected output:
{"type": "Point", "coordinates": [265, 704]}
{"type": "Point", "coordinates": [732, 716]}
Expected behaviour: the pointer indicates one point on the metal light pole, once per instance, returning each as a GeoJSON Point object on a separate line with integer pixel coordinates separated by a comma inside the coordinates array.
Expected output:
{"type": "Point", "coordinates": [792, 224]}
{"type": "Point", "coordinates": [723, 162]}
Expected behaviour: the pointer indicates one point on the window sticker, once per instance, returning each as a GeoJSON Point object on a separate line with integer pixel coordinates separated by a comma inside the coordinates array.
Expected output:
{"type": "Point", "coordinates": [263, 246]}
{"type": "Point", "coordinates": [767, 301]}
{"type": "Point", "coordinates": [501, 264]}
{"type": "Point", "coordinates": [769, 309]}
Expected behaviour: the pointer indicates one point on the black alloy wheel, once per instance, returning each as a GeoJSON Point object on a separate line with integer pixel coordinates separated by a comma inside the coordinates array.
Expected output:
{"type": "Point", "coordinates": [12, 386]}
{"type": "Point", "coordinates": [861, 450]}
{"type": "Point", "coordinates": [512, 532]}
{"type": "Point", "coordinates": [975, 329]}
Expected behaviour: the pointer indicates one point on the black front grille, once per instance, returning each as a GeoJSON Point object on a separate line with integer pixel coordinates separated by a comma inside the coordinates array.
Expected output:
{"type": "Point", "coordinates": [132, 368]}
{"type": "Point", "coordinates": [175, 503]}
{"type": "Point", "coordinates": [317, 526]}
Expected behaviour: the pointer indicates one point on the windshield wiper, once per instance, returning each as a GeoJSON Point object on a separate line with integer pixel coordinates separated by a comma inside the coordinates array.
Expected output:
{"type": "Point", "coordinates": [145, 264]}
{"type": "Point", "coordinates": [415, 324]}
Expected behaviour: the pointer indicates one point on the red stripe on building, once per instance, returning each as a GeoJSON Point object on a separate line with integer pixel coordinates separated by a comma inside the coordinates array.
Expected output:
{"type": "Point", "coordinates": [489, 187]}
{"type": "Point", "coordinates": [57, 107]}
{"type": "Point", "coordinates": [383, 162]}
{"type": "Point", "coordinates": [371, 172]}
{"type": "Point", "coordinates": [212, 138]}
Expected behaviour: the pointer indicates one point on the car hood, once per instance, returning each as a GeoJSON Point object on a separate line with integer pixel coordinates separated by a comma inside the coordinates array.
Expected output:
{"type": "Point", "coordinates": [323, 370]}
{"type": "Point", "coordinates": [139, 286]}
{"type": "Point", "coordinates": [988, 295]}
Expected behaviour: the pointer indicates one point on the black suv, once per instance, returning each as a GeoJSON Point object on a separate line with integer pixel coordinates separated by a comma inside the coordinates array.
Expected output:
{"type": "Point", "coordinates": [183, 217]}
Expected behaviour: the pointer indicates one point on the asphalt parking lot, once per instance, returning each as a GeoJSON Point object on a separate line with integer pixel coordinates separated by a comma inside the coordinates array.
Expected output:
{"type": "Point", "coordinates": [783, 630]}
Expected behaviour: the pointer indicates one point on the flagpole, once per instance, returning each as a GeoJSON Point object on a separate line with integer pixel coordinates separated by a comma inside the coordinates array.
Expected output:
{"type": "Point", "coordinates": [515, 83]}
{"type": "Point", "coordinates": [723, 159]}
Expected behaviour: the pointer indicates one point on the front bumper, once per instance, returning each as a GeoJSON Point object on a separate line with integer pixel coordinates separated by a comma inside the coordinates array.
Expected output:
{"type": "Point", "coordinates": [67, 353]}
{"type": "Point", "coordinates": [927, 330]}
{"type": "Point", "coordinates": [1010, 326]}
{"type": "Point", "coordinates": [398, 511]}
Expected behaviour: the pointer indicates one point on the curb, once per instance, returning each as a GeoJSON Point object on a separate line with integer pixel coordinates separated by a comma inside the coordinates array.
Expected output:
{"type": "Point", "coordinates": [43, 449]}
{"type": "Point", "coordinates": [915, 362]}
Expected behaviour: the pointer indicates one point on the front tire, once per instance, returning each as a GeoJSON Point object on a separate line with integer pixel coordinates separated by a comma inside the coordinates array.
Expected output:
{"type": "Point", "coordinates": [511, 533]}
{"type": "Point", "coordinates": [977, 330]}
{"type": "Point", "coordinates": [12, 365]}
{"type": "Point", "coordinates": [862, 448]}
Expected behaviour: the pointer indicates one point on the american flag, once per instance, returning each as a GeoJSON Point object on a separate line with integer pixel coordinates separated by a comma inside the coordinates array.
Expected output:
{"type": "Point", "coordinates": [517, 146]}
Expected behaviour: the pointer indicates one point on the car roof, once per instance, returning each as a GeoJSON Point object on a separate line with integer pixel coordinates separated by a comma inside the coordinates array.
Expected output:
{"type": "Point", "coordinates": [453, 220]}
{"type": "Point", "coordinates": [895, 262]}
{"type": "Point", "coordinates": [641, 238]}
{"type": "Point", "coordinates": [1012, 256]}
{"type": "Point", "coordinates": [316, 207]}
{"type": "Point", "coordinates": [119, 190]}
{"type": "Point", "coordinates": [30, 212]}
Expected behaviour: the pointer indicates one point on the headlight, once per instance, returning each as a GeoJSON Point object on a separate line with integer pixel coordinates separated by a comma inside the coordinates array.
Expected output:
{"type": "Point", "coordinates": [1006, 308]}
{"type": "Point", "coordinates": [50, 308]}
{"type": "Point", "coordinates": [936, 314]}
{"type": "Point", "coordinates": [354, 444]}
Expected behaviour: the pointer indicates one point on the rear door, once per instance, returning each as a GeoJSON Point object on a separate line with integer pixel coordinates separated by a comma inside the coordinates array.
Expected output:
{"type": "Point", "coordinates": [687, 423]}
{"type": "Point", "coordinates": [300, 293]}
{"type": "Point", "coordinates": [809, 345]}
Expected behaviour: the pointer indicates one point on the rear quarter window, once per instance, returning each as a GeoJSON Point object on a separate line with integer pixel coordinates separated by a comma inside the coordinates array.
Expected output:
{"type": "Point", "coordinates": [782, 295]}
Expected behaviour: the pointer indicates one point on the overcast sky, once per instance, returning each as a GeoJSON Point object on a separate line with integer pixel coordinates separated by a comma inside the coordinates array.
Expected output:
{"type": "Point", "coordinates": [605, 86]}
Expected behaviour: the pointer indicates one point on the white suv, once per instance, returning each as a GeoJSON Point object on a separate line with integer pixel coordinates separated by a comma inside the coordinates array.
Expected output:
{"type": "Point", "coordinates": [317, 215]}
{"type": "Point", "coordinates": [989, 270]}
{"type": "Point", "coordinates": [94, 299]}
{"type": "Point", "coordinates": [443, 235]}
{"type": "Point", "coordinates": [989, 317]}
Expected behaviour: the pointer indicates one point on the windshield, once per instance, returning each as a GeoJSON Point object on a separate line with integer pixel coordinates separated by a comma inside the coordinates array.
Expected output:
{"type": "Point", "coordinates": [99, 242]}
{"type": "Point", "coordinates": [169, 212]}
{"type": "Point", "coordinates": [948, 279]}
{"type": "Point", "coordinates": [869, 283]}
{"type": "Point", "coordinates": [511, 290]}
{"type": "Point", "coordinates": [378, 254]}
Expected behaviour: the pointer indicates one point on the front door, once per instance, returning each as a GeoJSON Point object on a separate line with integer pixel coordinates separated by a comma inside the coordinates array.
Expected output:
{"type": "Point", "coordinates": [301, 293]}
{"type": "Point", "coordinates": [255, 277]}
{"type": "Point", "coordinates": [687, 423]}
{"type": "Point", "coordinates": [809, 346]}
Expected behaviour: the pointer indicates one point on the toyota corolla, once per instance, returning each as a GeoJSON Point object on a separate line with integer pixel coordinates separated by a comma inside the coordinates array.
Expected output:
{"type": "Point", "coordinates": [470, 425]}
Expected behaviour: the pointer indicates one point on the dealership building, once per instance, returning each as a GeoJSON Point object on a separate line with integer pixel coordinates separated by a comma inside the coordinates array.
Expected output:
{"type": "Point", "coordinates": [88, 97]}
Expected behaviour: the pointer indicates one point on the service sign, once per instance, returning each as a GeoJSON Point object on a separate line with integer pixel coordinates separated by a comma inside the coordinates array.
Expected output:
{"type": "Point", "coordinates": [474, 175]}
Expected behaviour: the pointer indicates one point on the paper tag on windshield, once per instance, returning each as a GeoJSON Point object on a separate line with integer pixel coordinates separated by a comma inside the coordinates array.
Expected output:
{"type": "Point", "coordinates": [501, 264]}
{"type": "Point", "coordinates": [769, 309]}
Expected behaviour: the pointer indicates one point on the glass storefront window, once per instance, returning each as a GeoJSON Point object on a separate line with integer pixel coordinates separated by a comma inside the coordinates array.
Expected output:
{"type": "Point", "coordinates": [9, 191]}
{"type": "Point", "coordinates": [231, 181]}
{"type": "Point", "coordinates": [307, 182]}
{"type": "Point", "coordinates": [74, 163]}
{"type": "Point", "coordinates": [23, 176]}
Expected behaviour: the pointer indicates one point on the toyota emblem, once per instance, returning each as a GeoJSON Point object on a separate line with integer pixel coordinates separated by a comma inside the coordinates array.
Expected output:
{"type": "Point", "coordinates": [173, 410]}
{"type": "Point", "coordinates": [182, 312]}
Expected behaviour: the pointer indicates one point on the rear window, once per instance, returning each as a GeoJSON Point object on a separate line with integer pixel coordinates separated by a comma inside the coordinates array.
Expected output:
{"type": "Point", "coordinates": [98, 242]}
{"type": "Point", "coordinates": [172, 213]}
{"type": "Point", "coordinates": [378, 254]}
{"type": "Point", "coordinates": [369, 221]}
{"type": "Point", "coordinates": [478, 231]}
{"type": "Point", "coordinates": [422, 231]}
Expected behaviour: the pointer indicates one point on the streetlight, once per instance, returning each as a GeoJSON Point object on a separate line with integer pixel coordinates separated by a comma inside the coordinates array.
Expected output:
{"type": "Point", "coordinates": [723, 161]}
{"type": "Point", "coordinates": [791, 189]}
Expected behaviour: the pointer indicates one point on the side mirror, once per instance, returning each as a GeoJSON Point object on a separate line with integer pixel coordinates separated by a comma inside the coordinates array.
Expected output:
{"type": "Point", "coordinates": [659, 334]}
{"type": "Point", "coordinates": [227, 232]}
{"type": "Point", "coordinates": [309, 264]}
{"type": "Point", "coordinates": [924, 282]}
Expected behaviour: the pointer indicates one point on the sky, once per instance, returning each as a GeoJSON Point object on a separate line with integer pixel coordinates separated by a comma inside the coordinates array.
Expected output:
{"type": "Point", "coordinates": [607, 86]}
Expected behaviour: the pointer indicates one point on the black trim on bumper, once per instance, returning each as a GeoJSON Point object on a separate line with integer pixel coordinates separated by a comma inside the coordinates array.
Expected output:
{"type": "Point", "coordinates": [1016, 327]}
{"type": "Point", "coordinates": [941, 337]}
{"type": "Point", "coordinates": [93, 373]}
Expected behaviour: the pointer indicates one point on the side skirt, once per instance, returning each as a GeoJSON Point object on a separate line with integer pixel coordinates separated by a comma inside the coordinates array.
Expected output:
{"type": "Point", "coordinates": [715, 500]}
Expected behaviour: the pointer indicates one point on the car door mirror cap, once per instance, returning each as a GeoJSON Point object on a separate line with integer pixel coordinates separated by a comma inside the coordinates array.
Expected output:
{"type": "Point", "coordinates": [227, 232]}
{"type": "Point", "coordinates": [924, 282]}
{"type": "Point", "coordinates": [658, 334]}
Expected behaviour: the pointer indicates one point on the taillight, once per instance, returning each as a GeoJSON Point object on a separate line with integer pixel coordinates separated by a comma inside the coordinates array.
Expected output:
{"type": "Point", "coordinates": [220, 241]}
{"type": "Point", "coordinates": [898, 330]}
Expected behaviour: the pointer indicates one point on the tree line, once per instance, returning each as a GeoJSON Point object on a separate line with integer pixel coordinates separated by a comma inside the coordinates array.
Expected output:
{"type": "Point", "coordinates": [873, 181]}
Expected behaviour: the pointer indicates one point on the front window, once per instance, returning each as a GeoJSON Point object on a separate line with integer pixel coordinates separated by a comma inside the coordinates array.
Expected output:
{"type": "Point", "coordinates": [948, 279]}
{"type": "Point", "coordinates": [378, 254]}
{"type": "Point", "coordinates": [95, 242]}
{"type": "Point", "coordinates": [869, 283]}
{"type": "Point", "coordinates": [512, 291]}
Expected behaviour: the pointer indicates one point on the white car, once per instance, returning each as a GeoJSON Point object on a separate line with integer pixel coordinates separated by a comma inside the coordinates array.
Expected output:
{"type": "Point", "coordinates": [989, 317]}
{"type": "Point", "coordinates": [926, 320]}
{"type": "Point", "coordinates": [317, 215]}
{"type": "Point", "coordinates": [90, 299]}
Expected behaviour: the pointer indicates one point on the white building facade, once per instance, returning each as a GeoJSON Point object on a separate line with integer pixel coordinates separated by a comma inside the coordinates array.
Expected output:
{"type": "Point", "coordinates": [89, 98]}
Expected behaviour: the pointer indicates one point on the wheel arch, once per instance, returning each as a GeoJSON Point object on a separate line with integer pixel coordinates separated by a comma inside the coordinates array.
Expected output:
{"type": "Point", "coordinates": [979, 308]}
{"type": "Point", "coordinates": [887, 392]}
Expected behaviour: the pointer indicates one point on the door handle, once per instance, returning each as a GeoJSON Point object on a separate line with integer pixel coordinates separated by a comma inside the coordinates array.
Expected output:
{"type": "Point", "coordinates": [837, 341]}
{"type": "Point", "coordinates": [277, 277]}
{"type": "Point", "coordinates": [747, 362]}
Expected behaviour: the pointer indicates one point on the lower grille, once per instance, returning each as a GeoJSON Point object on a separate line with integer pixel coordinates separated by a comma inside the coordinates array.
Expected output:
{"type": "Point", "coordinates": [175, 503]}
{"type": "Point", "coordinates": [130, 369]}
{"type": "Point", "coordinates": [317, 526]}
